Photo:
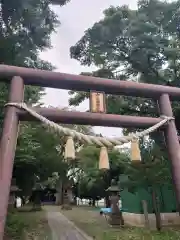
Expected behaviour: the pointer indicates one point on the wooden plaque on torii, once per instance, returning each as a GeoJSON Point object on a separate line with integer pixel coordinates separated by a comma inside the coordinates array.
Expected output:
{"type": "Point", "coordinates": [97, 102]}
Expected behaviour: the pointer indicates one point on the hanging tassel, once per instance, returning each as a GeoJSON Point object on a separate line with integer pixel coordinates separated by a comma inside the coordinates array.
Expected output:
{"type": "Point", "coordinates": [103, 159]}
{"type": "Point", "coordinates": [69, 149]}
{"type": "Point", "coordinates": [135, 151]}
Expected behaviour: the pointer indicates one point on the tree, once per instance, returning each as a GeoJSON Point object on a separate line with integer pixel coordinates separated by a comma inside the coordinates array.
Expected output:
{"type": "Point", "coordinates": [69, 170]}
{"type": "Point", "coordinates": [152, 171]}
{"type": "Point", "coordinates": [92, 182]}
{"type": "Point", "coordinates": [139, 45]}
{"type": "Point", "coordinates": [40, 153]}
{"type": "Point", "coordinates": [151, 174]}
{"type": "Point", "coordinates": [25, 30]}
{"type": "Point", "coordinates": [36, 155]}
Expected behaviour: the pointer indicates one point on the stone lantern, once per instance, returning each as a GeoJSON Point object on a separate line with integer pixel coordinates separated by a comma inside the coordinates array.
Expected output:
{"type": "Point", "coordinates": [36, 196]}
{"type": "Point", "coordinates": [115, 217]}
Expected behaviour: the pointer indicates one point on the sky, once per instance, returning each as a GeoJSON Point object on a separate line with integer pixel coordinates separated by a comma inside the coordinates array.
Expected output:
{"type": "Point", "coordinates": [76, 17]}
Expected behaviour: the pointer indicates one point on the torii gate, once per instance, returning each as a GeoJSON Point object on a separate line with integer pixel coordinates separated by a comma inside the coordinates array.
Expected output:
{"type": "Point", "coordinates": [18, 77]}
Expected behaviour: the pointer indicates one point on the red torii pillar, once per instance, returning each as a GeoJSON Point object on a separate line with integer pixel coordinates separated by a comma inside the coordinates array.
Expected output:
{"type": "Point", "coordinates": [172, 143]}
{"type": "Point", "coordinates": [8, 147]}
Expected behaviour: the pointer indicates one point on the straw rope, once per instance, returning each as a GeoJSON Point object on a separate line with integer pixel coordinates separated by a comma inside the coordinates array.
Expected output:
{"type": "Point", "coordinates": [99, 141]}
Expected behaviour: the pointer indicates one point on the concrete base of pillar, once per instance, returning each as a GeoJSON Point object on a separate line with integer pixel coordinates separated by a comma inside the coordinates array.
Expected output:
{"type": "Point", "coordinates": [135, 219]}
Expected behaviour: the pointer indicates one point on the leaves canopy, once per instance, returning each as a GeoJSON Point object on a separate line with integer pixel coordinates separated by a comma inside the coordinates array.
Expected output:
{"type": "Point", "coordinates": [25, 30]}
{"type": "Point", "coordinates": [139, 45]}
{"type": "Point", "coordinates": [91, 182]}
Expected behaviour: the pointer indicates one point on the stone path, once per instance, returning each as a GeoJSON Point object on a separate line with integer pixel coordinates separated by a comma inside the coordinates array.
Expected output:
{"type": "Point", "coordinates": [61, 227]}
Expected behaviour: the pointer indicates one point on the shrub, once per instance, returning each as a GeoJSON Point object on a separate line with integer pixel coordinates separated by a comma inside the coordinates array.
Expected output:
{"type": "Point", "coordinates": [15, 225]}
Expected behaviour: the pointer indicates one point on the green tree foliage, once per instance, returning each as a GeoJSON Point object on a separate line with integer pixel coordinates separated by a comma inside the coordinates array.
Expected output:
{"type": "Point", "coordinates": [153, 171]}
{"type": "Point", "coordinates": [25, 30]}
{"type": "Point", "coordinates": [139, 45]}
{"type": "Point", "coordinates": [92, 182]}
{"type": "Point", "coordinates": [37, 155]}
{"type": "Point", "coordinates": [40, 153]}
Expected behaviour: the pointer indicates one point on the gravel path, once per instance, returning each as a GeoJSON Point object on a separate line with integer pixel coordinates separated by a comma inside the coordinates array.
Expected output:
{"type": "Point", "coordinates": [61, 227]}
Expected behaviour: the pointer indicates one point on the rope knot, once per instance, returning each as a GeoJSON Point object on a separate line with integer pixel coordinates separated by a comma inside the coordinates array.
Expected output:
{"type": "Point", "coordinates": [134, 137]}
{"type": "Point", "coordinates": [167, 118]}
{"type": "Point", "coordinates": [18, 105]}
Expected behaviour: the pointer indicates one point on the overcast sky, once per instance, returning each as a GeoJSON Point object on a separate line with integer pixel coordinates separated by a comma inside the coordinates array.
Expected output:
{"type": "Point", "coordinates": [76, 17]}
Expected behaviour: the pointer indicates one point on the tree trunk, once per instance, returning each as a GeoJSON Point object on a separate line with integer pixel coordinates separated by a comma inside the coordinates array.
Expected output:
{"type": "Point", "coordinates": [156, 210]}
{"type": "Point", "coordinates": [70, 196]}
{"type": "Point", "coordinates": [145, 211]}
{"type": "Point", "coordinates": [93, 202]}
{"type": "Point", "coordinates": [121, 219]}
{"type": "Point", "coordinates": [37, 202]}
{"type": "Point", "coordinates": [108, 202]}
{"type": "Point", "coordinates": [75, 202]}
{"type": "Point", "coordinates": [66, 201]}
{"type": "Point", "coordinates": [59, 193]}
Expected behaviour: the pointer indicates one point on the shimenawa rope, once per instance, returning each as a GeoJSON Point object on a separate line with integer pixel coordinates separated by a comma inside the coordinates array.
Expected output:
{"type": "Point", "coordinates": [99, 141]}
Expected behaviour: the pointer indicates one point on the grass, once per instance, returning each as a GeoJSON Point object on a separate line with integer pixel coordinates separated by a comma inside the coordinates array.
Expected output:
{"type": "Point", "coordinates": [27, 225]}
{"type": "Point", "coordinates": [96, 226]}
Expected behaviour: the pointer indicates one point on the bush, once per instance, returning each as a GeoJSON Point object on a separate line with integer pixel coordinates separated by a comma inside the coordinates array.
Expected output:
{"type": "Point", "coordinates": [15, 225]}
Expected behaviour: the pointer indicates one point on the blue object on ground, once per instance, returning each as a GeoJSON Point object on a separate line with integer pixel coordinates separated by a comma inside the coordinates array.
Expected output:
{"type": "Point", "coordinates": [105, 210]}
{"type": "Point", "coordinates": [108, 210]}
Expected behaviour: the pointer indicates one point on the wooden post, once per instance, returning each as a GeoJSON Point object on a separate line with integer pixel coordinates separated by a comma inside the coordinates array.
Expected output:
{"type": "Point", "coordinates": [156, 208]}
{"type": "Point", "coordinates": [8, 147]}
{"type": "Point", "coordinates": [145, 210]}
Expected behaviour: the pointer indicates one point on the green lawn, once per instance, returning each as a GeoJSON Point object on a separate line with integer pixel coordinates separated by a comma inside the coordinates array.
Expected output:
{"type": "Point", "coordinates": [26, 225]}
{"type": "Point", "coordinates": [96, 226]}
